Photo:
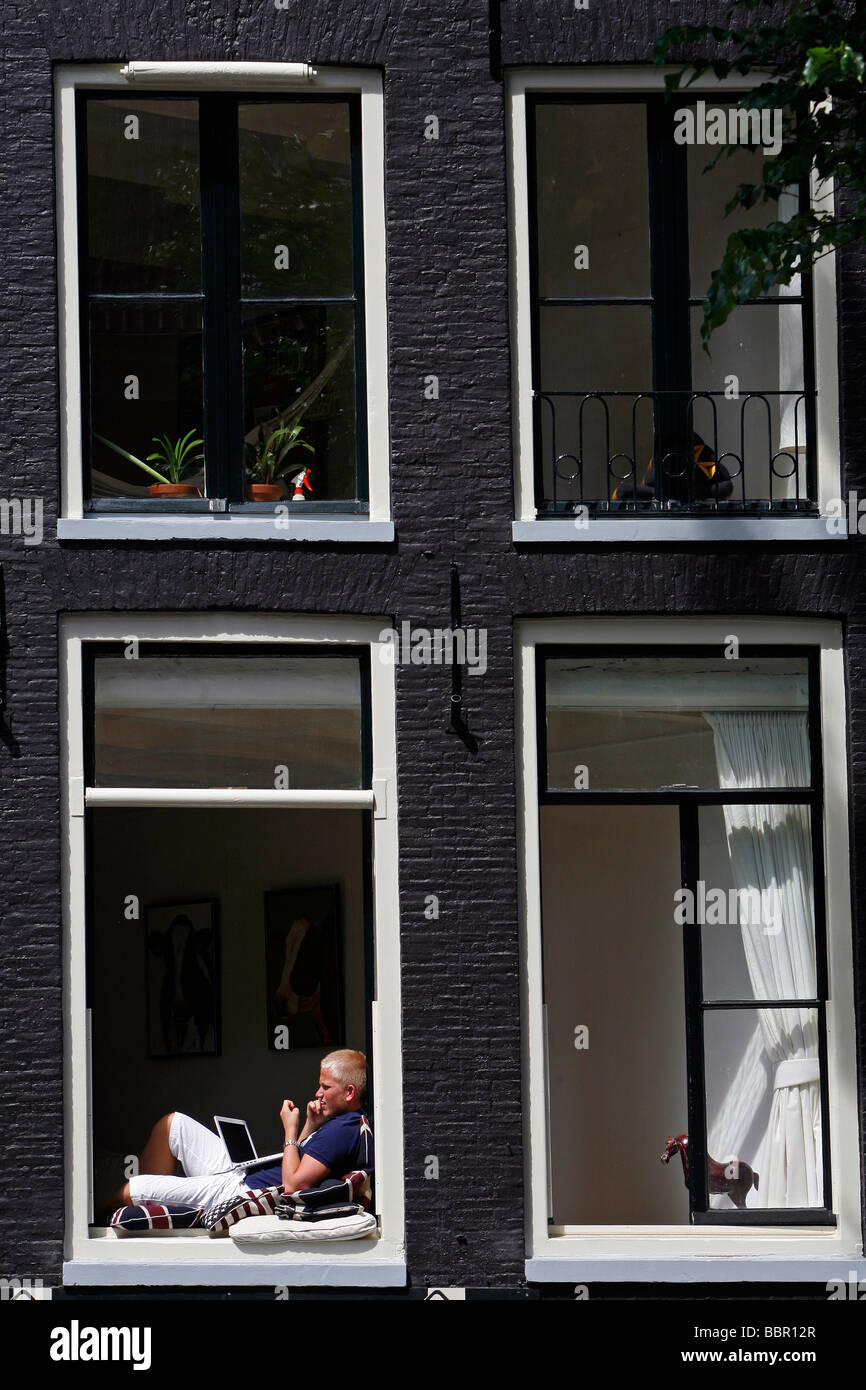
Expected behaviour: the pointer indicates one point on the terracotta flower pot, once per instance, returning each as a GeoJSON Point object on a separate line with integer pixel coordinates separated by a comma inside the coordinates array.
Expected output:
{"type": "Point", "coordinates": [265, 492]}
{"type": "Point", "coordinates": [174, 490]}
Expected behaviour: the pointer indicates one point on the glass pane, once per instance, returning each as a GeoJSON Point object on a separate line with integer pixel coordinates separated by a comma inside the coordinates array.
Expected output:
{"type": "Point", "coordinates": [594, 349]}
{"type": "Point", "coordinates": [613, 966]}
{"type": "Point", "coordinates": [649, 723]}
{"type": "Point", "coordinates": [586, 156]}
{"type": "Point", "coordinates": [296, 199]}
{"type": "Point", "coordinates": [144, 225]}
{"type": "Point", "coordinates": [763, 1108]}
{"type": "Point", "coordinates": [754, 900]}
{"type": "Point", "coordinates": [759, 439]}
{"type": "Point", "coordinates": [145, 381]}
{"type": "Point", "coordinates": [709, 194]}
{"type": "Point", "coordinates": [228, 722]}
{"type": "Point", "coordinates": [299, 369]}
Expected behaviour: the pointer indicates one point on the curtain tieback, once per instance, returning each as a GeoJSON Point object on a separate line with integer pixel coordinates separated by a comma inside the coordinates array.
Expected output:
{"type": "Point", "coordinates": [799, 1071]}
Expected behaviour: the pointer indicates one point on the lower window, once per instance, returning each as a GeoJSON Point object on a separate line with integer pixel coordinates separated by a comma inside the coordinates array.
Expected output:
{"type": "Point", "coordinates": [683, 936]}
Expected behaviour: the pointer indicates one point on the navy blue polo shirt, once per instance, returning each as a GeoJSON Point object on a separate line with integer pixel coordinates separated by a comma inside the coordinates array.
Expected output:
{"type": "Point", "coordinates": [343, 1144]}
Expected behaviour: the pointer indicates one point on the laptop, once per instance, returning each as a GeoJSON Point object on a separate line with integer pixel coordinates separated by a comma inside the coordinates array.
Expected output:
{"type": "Point", "coordinates": [240, 1148]}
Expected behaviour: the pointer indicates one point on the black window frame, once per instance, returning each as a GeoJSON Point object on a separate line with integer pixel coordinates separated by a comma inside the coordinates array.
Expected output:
{"type": "Point", "coordinates": [697, 1006]}
{"type": "Point", "coordinates": [221, 303]}
{"type": "Point", "coordinates": [669, 301]}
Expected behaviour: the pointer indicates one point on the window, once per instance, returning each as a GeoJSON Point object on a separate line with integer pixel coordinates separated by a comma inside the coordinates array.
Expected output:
{"type": "Point", "coordinates": [227, 245]}
{"type": "Point", "coordinates": [696, 774]}
{"type": "Point", "coordinates": [226, 799]}
{"type": "Point", "coordinates": [684, 882]}
{"type": "Point", "coordinates": [622, 415]}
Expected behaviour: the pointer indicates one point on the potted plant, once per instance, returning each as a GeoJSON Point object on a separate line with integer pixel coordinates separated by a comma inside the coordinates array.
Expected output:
{"type": "Point", "coordinates": [267, 460]}
{"type": "Point", "coordinates": [178, 459]}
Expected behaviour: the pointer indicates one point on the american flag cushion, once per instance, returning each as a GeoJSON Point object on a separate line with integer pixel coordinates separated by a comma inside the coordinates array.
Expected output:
{"type": "Point", "coordinates": [219, 1219]}
{"type": "Point", "coordinates": [154, 1218]}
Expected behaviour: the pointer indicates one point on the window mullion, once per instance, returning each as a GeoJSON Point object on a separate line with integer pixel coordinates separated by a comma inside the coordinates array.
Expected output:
{"type": "Point", "coordinates": [669, 272]}
{"type": "Point", "coordinates": [221, 282]}
{"type": "Point", "coordinates": [697, 1106]}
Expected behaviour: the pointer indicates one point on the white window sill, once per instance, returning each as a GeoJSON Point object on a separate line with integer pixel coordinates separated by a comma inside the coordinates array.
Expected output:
{"type": "Point", "coordinates": [656, 529]}
{"type": "Point", "coordinates": [195, 1261]}
{"type": "Point", "coordinates": [696, 1269]}
{"type": "Point", "coordinates": [120, 527]}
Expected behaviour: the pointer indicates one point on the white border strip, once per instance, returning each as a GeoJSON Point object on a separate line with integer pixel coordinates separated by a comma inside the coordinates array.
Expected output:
{"type": "Point", "coordinates": [695, 1271]}
{"type": "Point", "coordinates": [657, 530]}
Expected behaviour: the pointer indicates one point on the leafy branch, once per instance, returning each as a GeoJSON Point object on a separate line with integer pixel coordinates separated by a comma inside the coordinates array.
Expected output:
{"type": "Point", "coordinates": [810, 65]}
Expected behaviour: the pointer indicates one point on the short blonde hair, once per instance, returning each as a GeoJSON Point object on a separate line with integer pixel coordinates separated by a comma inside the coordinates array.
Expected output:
{"type": "Point", "coordinates": [348, 1068]}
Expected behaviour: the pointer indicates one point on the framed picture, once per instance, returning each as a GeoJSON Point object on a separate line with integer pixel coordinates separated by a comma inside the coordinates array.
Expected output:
{"type": "Point", "coordinates": [303, 969]}
{"type": "Point", "coordinates": [181, 950]}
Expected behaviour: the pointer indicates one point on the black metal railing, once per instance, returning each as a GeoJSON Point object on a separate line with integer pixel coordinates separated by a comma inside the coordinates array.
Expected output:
{"type": "Point", "coordinates": [673, 451]}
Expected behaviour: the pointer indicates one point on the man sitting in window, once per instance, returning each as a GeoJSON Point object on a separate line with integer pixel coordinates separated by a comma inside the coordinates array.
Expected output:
{"type": "Point", "coordinates": [336, 1140]}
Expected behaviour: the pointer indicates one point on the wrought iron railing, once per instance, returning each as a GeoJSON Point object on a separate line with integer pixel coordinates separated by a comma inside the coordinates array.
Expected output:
{"type": "Point", "coordinates": [674, 451]}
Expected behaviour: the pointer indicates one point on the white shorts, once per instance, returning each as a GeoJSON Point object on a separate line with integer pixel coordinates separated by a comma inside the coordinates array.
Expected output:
{"type": "Point", "coordinates": [203, 1156]}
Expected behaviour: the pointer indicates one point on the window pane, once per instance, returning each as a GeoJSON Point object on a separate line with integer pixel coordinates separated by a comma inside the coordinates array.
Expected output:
{"type": "Point", "coordinates": [299, 367]}
{"type": "Point", "coordinates": [754, 902]}
{"type": "Point", "coordinates": [613, 965]}
{"type": "Point", "coordinates": [761, 441]}
{"type": "Point", "coordinates": [649, 723]}
{"type": "Point", "coordinates": [594, 349]}
{"type": "Point", "coordinates": [145, 380]}
{"type": "Point", "coordinates": [586, 156]}
{"type": "Point", "coordinates": [709, 194]}
{"type": "Point", "coordinates": [763, 1108]}
{"type": "Point", "coordinates": [228, 722]}
{"type": "Point", "coordinates": [296, 199]}
{"type": "Point", "coordinates": [144, 227]}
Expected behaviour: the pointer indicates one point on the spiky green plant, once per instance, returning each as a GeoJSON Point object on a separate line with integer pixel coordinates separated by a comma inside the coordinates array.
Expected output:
{"type": "Point", "coordinates": [176, 456]}
{"type": "Point", "coordinates": [267, 458]}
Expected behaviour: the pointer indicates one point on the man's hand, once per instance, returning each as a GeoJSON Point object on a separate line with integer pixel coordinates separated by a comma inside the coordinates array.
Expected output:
{"type": "Point", "coordinates": [315, 1115]}
{"type": "Point", "coordinates": [291, 1118]}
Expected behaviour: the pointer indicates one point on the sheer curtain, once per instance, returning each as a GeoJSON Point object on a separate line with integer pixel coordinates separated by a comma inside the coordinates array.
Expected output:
{"type": "Point", "coordinates": [770, 850]}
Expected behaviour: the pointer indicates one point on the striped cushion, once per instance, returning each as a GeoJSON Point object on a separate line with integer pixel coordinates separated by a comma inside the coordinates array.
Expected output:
{"type": "Point", "coordinates": [154, 1218]}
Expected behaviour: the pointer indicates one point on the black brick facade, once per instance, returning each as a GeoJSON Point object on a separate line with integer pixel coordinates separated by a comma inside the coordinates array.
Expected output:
{"type": "Point", "coordinates": [452, 495]}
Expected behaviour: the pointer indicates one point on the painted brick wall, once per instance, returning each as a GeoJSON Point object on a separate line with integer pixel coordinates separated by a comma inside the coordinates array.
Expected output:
{"type": "Point", "coordinates": [451, 470]}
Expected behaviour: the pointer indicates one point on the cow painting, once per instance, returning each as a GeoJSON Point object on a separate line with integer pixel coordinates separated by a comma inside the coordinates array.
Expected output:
{"type": "Point", "coordinates": [182, 1005]}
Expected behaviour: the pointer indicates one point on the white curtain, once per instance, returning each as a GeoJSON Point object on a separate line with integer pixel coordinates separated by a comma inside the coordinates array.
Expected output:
{"type": "Point", "coordinates": [770, 850]}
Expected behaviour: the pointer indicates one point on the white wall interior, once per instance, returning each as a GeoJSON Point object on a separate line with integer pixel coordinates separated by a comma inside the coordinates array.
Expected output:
{"type": "Point", "coordinates": [613, 961]}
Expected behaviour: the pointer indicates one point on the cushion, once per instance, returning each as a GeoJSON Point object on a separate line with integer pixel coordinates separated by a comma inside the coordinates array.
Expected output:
{"type": "Point", "coordinates": [219, 1219]}
{"type": "Point", "coordinates": [154, 1219]}
{"type": "Point", "coordinates": [331, 1212]}
{"type": "Point", "coordinates": [270, 1230]}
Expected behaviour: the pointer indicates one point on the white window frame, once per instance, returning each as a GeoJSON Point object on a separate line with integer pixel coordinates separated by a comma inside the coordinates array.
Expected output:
{"type": "Point", "coordinates": [706, 1253]}
{"type": "Point", "coordinates": [74, 523]}
{"type": "Point", "coordinates": [527, 527]}
{"type": "Point", "coordinates": [189, 1260]}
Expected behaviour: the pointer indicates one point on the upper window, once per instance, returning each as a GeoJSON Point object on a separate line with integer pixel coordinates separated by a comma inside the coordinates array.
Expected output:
{"type": "Point", "coordinates": [630, 412]}
{"type": "Point", "coordinates": [222, 293]}
{"type": "Point", "coordinates": [624, 426]}
{"type": "Point", "coordinates": [222, 258]}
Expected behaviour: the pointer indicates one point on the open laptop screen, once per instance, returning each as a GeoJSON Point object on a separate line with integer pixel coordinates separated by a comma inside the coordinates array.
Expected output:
{"type": "Point", "coordinates": [237, 1140]}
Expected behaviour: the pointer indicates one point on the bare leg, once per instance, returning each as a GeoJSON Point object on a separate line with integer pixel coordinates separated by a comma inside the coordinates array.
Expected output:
{"type": "Point", "coordinates": [156, 1156]}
